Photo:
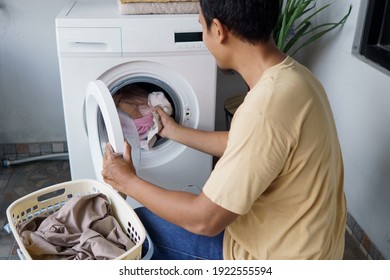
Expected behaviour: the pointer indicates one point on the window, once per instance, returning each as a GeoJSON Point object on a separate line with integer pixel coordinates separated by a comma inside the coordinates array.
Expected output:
{"type": "Point", "coordinates": [372, 38]}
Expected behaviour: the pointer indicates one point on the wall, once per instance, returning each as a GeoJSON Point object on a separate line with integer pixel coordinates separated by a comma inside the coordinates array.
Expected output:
{"type": "Point", "coordinates": [30, 95]}
{"type": "Point", "coordinates": [360, 99]}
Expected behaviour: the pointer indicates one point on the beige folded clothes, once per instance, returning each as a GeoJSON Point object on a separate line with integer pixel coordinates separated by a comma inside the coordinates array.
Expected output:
{"type": "Point", "coordinates": [158, 8]}
{"type": "Point", "coordinates": [156, 1]}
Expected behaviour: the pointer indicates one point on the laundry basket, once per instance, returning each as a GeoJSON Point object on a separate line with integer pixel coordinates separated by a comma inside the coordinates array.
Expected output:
{"type": "Point", "coordinates": [49, 200]}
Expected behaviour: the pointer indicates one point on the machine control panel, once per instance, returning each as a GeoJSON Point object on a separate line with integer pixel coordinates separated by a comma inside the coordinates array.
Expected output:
{"type": "Point", "coordinates": [189, 40]}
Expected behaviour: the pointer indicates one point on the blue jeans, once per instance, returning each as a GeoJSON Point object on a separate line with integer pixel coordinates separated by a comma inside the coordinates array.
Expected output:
{"type": "Point", "coordinates": [175, 243]}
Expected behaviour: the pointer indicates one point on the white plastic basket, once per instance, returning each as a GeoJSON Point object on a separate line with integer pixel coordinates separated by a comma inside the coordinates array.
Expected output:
{"type": "Point", "coordinates": [49, 200]}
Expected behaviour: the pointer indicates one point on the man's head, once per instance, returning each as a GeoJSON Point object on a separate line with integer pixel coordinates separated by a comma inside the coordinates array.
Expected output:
{"type": "Point", "coordinates": [249, 20]}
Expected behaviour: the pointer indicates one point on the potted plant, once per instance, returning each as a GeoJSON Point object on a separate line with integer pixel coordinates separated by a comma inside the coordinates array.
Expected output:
{"type": "Point", "coordinates": [295, 27]}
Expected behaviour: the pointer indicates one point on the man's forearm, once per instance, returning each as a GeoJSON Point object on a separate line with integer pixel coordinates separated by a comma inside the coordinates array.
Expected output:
{"type": "Point", "coordinates": [210, 142]}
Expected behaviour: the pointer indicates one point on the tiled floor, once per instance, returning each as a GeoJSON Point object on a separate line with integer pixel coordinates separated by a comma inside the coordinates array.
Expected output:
{"type": "Point", "coordinates": [19, 180]}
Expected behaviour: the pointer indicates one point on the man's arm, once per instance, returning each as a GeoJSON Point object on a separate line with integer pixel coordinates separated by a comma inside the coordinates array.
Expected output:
{"type": "Point", "coordinates": [210, 142]}
{"type": "Point", "coordinates": [195, 213]}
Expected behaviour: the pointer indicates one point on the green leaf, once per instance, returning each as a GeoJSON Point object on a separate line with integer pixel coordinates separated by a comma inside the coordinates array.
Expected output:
{"type": "Point", "coordinates": [299, 34]}
{"type": "Point", "coordinates": [296, 17]}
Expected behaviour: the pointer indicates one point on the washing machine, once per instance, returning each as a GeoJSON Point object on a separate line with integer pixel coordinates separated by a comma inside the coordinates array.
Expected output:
{"type": "Point", "coordinates": [101, 52]}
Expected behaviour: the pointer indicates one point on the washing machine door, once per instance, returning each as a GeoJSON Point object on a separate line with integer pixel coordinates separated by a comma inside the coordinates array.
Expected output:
{"type": "Point", "coordinates": [98, 103]}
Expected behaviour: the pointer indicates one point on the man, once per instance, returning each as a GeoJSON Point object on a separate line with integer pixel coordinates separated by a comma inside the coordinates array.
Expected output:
{"type": "Point", "coordinates": [277, 189]}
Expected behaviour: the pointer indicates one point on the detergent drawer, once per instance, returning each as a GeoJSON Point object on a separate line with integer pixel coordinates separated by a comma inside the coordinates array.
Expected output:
{"type": "Point", "coordinates": [100, 41]}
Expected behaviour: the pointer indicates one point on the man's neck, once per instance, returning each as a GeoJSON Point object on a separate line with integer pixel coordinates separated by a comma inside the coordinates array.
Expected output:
{"type": "Point", "coordinates": [251, 61]}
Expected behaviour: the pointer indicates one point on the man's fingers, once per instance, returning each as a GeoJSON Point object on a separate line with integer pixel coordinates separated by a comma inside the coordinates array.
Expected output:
{"type": "Point", "coordinates": [127, 152]}
{"type": "Point", "coordinates": [108, 151]}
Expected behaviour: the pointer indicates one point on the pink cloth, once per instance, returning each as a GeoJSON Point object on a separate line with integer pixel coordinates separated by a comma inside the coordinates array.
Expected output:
{"type": "Point", "coordinates": [137, 103]}
{"type": "Point", "coordinates": [143, 125]}
{"type": "Point", "coordinates": [133, 100]}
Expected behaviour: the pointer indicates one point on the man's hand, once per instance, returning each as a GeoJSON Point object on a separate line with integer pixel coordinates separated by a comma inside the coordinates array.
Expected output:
{"type": "Point", "coordinates": [169, 124]}
{"type": "Point", "coordinates": [117, 170]}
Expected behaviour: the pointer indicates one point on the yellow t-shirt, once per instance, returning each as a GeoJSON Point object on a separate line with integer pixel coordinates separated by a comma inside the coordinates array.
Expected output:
{"type": "Point", "coordinates": [282, 171]}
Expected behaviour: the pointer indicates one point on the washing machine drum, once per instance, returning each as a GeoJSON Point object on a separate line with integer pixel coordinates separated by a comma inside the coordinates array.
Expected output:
{"type": "Point", "coordinates": [112, 114]}
{"type": "Point", "coordinates": [134, 99]}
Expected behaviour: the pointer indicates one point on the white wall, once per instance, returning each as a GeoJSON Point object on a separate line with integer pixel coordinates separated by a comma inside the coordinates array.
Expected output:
{"type": "Point", "coordinates": [360, 97]}
{"type": "Point", "coordinates": [30, 96]}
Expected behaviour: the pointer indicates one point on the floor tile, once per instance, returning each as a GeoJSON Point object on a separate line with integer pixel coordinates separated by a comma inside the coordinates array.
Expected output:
{"type": "Point", "coordinates": [5, 250]}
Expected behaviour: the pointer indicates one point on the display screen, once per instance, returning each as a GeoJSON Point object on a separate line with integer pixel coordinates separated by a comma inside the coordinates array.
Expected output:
{"type": "Point", "coordinates": [185, 37]}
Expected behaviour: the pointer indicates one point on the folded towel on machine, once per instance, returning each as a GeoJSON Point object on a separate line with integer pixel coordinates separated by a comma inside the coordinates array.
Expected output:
{"type": "Point", "coordinates": [156, 1]}
{"type": "Point", "coordinates": [142, 8]}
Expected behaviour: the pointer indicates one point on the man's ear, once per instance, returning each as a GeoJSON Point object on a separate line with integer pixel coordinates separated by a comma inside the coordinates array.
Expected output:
{"type": "Point", "coordinates": [220, 31]}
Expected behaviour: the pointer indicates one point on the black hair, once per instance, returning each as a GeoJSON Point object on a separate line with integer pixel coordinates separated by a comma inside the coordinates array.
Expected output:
{"type": "Point", "coordinates": [250, 20]}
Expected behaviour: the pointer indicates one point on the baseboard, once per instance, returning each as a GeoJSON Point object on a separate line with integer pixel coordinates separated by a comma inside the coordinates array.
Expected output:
{"type": "Point", "coordinates": [366, 245]}
{"type": "Point", "coordinates": [22, 151]}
